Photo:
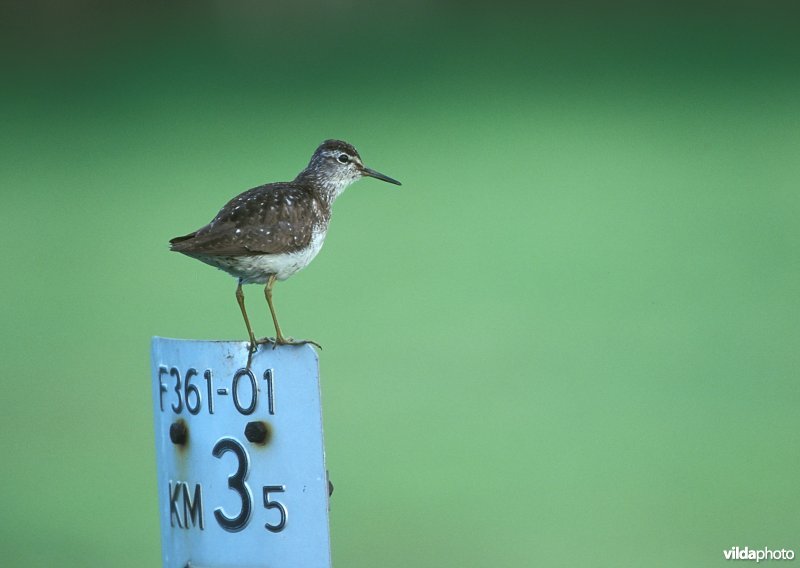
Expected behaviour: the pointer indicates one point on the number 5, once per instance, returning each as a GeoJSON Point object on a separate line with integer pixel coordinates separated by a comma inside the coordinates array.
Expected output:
{"type": "Point", "coordinates": [275, 505]}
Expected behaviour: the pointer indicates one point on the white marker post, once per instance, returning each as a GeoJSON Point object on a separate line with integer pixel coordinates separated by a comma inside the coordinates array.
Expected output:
{"type": "Point", "coordinates": [241, 461]}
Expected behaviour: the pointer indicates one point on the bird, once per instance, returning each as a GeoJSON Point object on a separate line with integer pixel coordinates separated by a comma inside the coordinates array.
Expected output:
{"type": "Point", "coordinates": [270, 232]}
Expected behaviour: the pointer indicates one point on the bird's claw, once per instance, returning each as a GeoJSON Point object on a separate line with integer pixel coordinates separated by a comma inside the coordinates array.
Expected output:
{"type": "Point", "coordinates": [275, 341]}
{"type": "Point", "coordinates": [304, 342]}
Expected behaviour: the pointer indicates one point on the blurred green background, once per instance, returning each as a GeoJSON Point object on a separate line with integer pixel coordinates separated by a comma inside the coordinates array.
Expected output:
{"type": "Point", "coordinates": [569, 339]}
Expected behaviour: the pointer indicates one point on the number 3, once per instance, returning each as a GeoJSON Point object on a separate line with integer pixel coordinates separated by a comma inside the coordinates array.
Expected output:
{"type": "Point", "coordinates": [237, 483]}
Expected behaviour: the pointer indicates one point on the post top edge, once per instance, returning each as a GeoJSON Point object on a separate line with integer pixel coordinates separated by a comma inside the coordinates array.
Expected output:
{"type": "Point", "coordinates": [156, 339]}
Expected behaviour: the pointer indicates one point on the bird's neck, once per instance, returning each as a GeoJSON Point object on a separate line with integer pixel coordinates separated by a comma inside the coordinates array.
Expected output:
{"type": "Point", "coordinates": [328, 188]}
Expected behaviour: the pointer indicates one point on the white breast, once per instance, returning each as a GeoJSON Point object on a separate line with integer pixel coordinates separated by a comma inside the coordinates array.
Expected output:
{"type": "Point", "coordinates": [297, 260]}
{"type": "Point", "coordinates": [256, 269]}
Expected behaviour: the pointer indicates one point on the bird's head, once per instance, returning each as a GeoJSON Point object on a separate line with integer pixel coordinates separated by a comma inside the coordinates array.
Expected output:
{"type": "Point", "coordinates": [336, 164]}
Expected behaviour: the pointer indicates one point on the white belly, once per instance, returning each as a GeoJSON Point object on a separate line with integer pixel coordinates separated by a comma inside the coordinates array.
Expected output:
{"type": "Point", "coordinates": [257, 268]}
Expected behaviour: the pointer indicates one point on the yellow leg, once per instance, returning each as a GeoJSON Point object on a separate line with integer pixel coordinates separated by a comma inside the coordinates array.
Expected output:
{"type": "Point", "coordinates": [240, 300]}
{"type": "Point", "coordinates": [279, 338]}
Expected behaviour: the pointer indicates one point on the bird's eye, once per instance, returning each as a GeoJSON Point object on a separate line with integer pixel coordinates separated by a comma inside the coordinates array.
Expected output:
{"type": "Point", "coordinates": [343, 158]}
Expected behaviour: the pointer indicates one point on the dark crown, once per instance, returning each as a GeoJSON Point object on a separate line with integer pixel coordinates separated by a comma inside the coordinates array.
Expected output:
{"type": "Point", "coordinates": [336, 146]}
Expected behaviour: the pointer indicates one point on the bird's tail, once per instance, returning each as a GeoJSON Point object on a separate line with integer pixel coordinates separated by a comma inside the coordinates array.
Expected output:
{"type": "Point", "coordinates": [174, 244]}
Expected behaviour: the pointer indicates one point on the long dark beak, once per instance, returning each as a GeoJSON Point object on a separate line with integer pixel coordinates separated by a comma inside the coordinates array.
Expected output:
{"type": "Point", "coordinates": [378, 175]}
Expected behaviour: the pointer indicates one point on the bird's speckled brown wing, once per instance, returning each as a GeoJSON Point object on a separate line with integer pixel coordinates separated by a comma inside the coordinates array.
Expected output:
{"type": "Point", "coordinates": [275, 218]}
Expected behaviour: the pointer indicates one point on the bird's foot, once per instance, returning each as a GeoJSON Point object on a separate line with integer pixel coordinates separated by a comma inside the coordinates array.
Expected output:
{"type": "Point", "coordinates": [252, 348]}
{"type": "Point", "coordinates": [280, 340]}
